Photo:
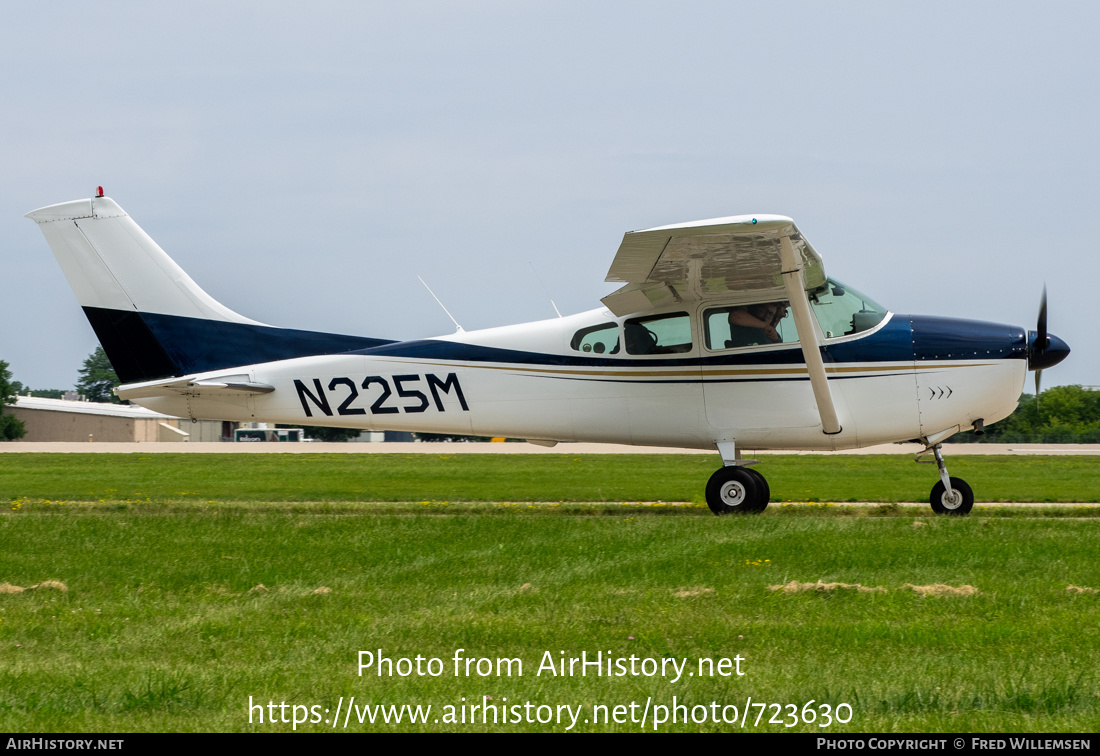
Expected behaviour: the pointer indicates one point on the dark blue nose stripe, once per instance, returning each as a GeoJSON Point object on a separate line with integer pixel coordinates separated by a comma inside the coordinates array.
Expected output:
{"type": "Point", "coordinates": [954, 339]}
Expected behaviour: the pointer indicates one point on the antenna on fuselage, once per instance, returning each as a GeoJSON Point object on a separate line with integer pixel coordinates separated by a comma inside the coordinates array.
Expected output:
{"type": "Point", "coordinates": [459, 328]}
{"type": "Point", "coordinates": [547, 291]}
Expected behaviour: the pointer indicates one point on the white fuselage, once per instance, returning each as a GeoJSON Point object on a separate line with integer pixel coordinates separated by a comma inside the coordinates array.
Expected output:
{"type": "Point", "coordinates": [526, 381]}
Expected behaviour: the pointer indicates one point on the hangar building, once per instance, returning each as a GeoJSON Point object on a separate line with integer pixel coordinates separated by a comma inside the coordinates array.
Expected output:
{"type": "Point", "coordinates": [64, 420]}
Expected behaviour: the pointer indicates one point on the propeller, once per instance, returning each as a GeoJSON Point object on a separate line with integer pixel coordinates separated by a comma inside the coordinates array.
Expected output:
{"type": "Point", "coordinates": [1041, 339]}
{"type": "Point", "coordinates": [1043, 349]}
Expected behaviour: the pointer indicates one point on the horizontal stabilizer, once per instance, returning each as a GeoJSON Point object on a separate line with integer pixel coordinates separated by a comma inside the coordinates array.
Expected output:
{"type": "Point", "coordinates": [205, 386]}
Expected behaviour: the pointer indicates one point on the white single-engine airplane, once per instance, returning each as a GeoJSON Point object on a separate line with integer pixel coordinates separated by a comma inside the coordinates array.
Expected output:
{"type": "Point", "coordinates": [727, 335]}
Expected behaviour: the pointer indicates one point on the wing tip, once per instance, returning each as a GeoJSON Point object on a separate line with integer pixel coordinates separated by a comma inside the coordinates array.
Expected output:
{"type": "Point", "coordinates": [765, 221]}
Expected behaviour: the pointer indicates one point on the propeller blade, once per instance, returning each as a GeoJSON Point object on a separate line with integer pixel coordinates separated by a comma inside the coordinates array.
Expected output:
{"type": "Point", "coordinates": [1043, 350]}
{"type": "Point", "coordinates": [1038, 380]}
{"type": "Point", "coordinates": [1041, 341]}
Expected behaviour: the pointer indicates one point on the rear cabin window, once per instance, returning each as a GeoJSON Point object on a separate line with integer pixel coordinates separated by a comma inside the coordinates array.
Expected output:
{"type": "Point", "coordinates": [749, 325]}
{"type": "Point", "coordinates": [601, 339]}
{"type": "Point", "coordinates": [658, 334]}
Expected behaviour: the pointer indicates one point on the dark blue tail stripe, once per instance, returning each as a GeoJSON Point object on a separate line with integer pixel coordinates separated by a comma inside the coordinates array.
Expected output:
{"type": "Point", "coordinates": [147, 346]}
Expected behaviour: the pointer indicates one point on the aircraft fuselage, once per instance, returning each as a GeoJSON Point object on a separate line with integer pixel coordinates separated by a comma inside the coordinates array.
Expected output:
{"type": "Point", "coordinates": [907, 378]}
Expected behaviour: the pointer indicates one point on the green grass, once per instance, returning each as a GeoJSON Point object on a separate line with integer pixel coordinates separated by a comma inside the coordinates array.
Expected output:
{"type": "Point", "coordinates": [161, 628]}
{"type": "Point", "coordinates": [523, 478]}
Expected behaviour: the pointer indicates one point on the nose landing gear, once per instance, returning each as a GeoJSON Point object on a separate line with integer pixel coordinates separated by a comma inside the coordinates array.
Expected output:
{"type": "Point", "coordinates": [951, 496]}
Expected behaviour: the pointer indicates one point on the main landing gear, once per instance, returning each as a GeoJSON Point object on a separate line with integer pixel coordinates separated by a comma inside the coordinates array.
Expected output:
{"type": "Point", "coordinates": [951, 496]}
{"type": "Point", "coordinates": [736, 489]}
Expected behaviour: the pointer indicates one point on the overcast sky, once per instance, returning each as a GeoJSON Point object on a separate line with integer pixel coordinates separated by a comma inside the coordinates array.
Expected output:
{"type": "Point", "coordinates": [305, 162]}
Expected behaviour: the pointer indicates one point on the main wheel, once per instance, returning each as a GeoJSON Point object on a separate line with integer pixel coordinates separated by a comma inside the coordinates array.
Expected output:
{"type": "Point", "coordinates": [764, 491]}
{"type": "Point", "coordinates": [733, 490]}
{"type": "Point", "coordinates": [959, 501]}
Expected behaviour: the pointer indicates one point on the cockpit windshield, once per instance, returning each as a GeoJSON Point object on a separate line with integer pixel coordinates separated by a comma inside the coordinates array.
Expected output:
{"type": "Point", "coordinates": [843, 311]}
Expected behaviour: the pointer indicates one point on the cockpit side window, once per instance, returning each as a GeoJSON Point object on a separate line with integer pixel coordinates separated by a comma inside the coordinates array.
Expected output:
{"type": "Point", "coordinates": [749, 325]}
{"type": "Point", "coordinates": [843, 311]}
{"type": "Point", "coordinates": [658, 334]}
{"type": "Point", "coordinates": [600, 339]}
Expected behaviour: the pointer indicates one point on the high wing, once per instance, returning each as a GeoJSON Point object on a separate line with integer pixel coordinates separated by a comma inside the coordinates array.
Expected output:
{"type": "Point", "coordinates": [758, 256]}
{"type": "Point", "coordinates": [708, 258]}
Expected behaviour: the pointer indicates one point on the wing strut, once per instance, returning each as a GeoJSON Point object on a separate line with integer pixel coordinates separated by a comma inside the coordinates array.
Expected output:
{"type": "Point", "coordinates": [811, 352]}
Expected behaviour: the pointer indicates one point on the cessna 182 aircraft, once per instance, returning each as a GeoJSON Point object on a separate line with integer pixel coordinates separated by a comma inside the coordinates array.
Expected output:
{"type": "Point", "coordinates": [726, 335]}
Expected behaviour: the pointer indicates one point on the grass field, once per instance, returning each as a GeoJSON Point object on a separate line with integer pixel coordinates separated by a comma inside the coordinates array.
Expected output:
{"type": "Point", "coordinates": [164, 625]}
{"type": "Point", "coordinates": [518, 478]}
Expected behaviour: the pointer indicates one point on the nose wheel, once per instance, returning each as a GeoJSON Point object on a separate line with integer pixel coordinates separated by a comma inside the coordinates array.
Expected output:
{"type": "Point", "coordinates": [958, 501]}
{"type": "Point", "coordinates": [737, 490]}
{"type": "Point", "coordinates": [951, 496]}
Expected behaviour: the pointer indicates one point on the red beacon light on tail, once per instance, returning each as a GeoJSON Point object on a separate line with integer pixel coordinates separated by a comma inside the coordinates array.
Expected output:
{"type": "Point", "coordinates": [99, 191]}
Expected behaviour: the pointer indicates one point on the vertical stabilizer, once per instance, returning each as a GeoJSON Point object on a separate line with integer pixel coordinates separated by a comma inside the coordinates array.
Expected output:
{"type": "Point", "coordinates": [152, 319]}
{"type": "Point", "coordinates": [112, 264]}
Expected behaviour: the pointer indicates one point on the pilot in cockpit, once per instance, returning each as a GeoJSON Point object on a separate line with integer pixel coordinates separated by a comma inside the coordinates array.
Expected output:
{"type": "Point", "coordinates": [754, 325]}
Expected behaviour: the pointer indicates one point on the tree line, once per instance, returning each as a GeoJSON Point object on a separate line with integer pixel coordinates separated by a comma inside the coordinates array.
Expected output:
{"type": "Point", "coordinates": [1063, 415]}
{"type": "Point", "coordinates": [96, 383]}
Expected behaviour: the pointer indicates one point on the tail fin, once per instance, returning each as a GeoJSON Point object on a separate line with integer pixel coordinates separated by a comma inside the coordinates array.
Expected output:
{"type": "Point", "coordinates": [152, 319]}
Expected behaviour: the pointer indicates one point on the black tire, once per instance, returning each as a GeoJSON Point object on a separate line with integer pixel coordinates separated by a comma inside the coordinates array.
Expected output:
{"type": "Point", "coordinates": [732, 490]}
{"type": "Point", "coordinates": [942, 505]}
{"type": "Point", "coordinates": [763, 490]}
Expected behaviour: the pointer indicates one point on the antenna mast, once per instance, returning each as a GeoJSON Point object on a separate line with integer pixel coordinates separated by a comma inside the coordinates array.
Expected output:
{"type": "Point", "coordinates": [459, 329]}
{"type": "Point", "coordinates": [544, 289]}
